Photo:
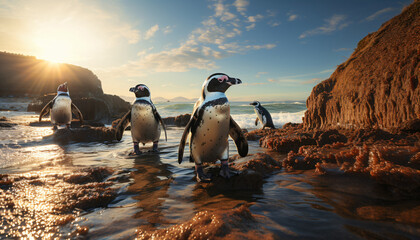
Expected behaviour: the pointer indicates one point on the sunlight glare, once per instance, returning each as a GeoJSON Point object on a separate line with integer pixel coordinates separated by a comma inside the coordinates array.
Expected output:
{"type": "Point", "coordinates": [64, 42]}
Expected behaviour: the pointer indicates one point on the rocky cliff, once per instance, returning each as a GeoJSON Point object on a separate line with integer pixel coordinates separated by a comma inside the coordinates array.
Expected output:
{"type": "Point", "coordinates": [378, 86]}
{"type": "Point", "coordinates": [27, 76]}
{"type": "Point", "coordinates": [30, 77]}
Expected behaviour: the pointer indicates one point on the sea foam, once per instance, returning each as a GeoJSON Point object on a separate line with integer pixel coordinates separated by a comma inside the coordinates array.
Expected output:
{"type": "Point", "coordinates": [279, 119]}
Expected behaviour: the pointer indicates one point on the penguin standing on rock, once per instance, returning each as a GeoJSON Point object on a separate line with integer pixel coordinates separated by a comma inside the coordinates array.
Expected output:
{"type": "Point", "coordinates": [263, 115]}
{"type": "Point", "coordinates": [61, 108]}
{"type": "Point", "coordinates": [210, 126]}
{"type": "Point", "coordinates": [144, 120]}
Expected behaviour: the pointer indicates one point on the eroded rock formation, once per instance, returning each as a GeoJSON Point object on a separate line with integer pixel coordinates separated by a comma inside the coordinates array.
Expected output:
{"type": "Point", "coordinates": [378, 86]}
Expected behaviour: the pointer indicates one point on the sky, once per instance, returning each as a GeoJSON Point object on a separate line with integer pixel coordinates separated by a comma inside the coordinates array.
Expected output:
{"type": "Point", "coordinates": [279, 49]}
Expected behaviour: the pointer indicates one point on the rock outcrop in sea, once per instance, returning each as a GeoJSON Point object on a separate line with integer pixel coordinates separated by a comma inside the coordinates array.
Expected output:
{"type": "Point", "coordinates": [378, 86]}
{"type": "Point", "coordinates": [27, 76]}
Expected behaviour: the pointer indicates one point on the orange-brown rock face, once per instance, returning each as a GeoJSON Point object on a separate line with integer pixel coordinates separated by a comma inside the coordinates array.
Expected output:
{"type": "Point", "coordinates": [378, 86]}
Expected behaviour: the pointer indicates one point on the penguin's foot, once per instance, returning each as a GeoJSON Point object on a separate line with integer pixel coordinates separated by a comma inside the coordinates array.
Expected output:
{"type": "Point", "coordinates": [155, 147]}
{"type": "Point", "coordinates": [136, 150]}
{"type": "Point", "coordinates": [201, 176]}
{"type": "Point", "coordinates": [224, 171]}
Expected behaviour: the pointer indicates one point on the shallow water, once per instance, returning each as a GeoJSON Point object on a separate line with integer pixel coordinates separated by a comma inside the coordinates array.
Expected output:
{"type": "Point", "coordinates": [153, 191]}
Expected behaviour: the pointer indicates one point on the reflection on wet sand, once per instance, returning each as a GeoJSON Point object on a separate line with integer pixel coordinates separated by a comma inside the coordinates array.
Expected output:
{"type": "Point", "coordinates": [151, 181]}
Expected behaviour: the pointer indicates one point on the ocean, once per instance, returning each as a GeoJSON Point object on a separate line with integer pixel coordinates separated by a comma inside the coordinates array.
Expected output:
{"type": "Point", "coordinates": [98, 191]}
{"type": "Point", "coordinates": [243, 113]}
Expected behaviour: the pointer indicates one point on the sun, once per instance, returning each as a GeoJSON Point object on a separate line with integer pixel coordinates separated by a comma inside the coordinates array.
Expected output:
{"type": "Point", "coordinates": [63, 42]}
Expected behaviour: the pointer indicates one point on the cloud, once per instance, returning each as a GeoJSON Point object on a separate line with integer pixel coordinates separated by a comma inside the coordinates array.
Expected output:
{"type": "Point", "coordinates": [260, 73]}
{"type": "Point", "coordinates": [336, 22]}
{"type": "Point", "coordinates": [241, 6]}
{"type": "Point", "coordinates": [253, 19]}
{"type": "Point", "coordinates": [274, 23]}
{"type": "Point", "coordinates": [378, 13]}
{"type": "Point", "coordinates": [151, 32]}
{"type": "Point", "coordinates": [250, 27]}
{"type": "Point", "coordinates": [215, 39]}
{"type": "Point", "coordinates": [167, 29]}
{"type": "Point", "coordinates": [222, 12]}
{"type": "Point", "coordinates": [258, 47]}
{"type": "Point", "coordinates": [292, 17]}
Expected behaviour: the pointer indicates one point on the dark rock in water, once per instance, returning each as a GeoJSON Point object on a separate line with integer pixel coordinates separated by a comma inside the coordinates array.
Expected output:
{"type": "Point", "coordinates": [85, 134]}
{"type": "Point", "coordinates": [74, 124]}
{"type": "Point", "coordinates": [378, 86]}
{"type": "Point", "coordinates": [180, 121]}
{"type": "Point", "coordinates": [247, 173]}
{"type": "Point", "coordinates": [237, 223]}
{"type": "Point", "coordinates": [5, 123]}
{"type": "Point", "coordinates": [27, 76]}
{"type": "Point", "coordinates": [102, 108]}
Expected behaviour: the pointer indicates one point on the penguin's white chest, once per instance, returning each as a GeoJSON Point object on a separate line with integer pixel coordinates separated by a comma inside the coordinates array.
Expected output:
{"type": "Point", "coordinates": [260, 116]}
{"type": "Point", "coordinates": [144, 126]}
{"type": "Point", "coordinates": [210, 139]}
{"type": "Point", "coordinates": [61, 110]}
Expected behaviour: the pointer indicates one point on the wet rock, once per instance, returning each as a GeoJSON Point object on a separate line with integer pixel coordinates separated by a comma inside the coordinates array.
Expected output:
{"type": "Point", "coordinates": [179, 121]}
{"type": "Point", "coordinates": [378, 86]}
{"type": "Point", "coordinates": [411, 126]}
{"type": "Point", "coordinates": [89, 175]}
{"type": "Point", "coordinates": [237, 223]}
{"type": "Point", "coordinates": [101, 108]}
{"type": "Point", "coordinates": [5, 123]}
{"type": "Point", "coordinates": [261, 163]}
{"type": "Point", "coordinates": [285, 145]}
{"type": "Point", "coordinates": [74, 124]}
{"type": "Point", "coordinates": [390, 213]}
{"type": "Point", "coordinates": [84, 134]}
{"type": "Point", "coordinates": [329, 137]}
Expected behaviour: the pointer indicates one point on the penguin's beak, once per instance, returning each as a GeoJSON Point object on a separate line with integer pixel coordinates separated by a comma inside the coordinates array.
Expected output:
{"type": "Point", "coordinates": [233, 81]}
{"type": "Point", "coordinates": [133, 89]}
{"type": "Point", "coordinates": [252, 103]}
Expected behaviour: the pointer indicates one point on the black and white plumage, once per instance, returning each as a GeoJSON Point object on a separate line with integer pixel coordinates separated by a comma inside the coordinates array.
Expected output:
{"type": "Point", "coordinates": [210, 126]}
{"type": "Point", "coordinates": [263, 115]}
{"type": "Point", "coordinates": [61, 108]}
{"type": "Point", "coordinates": [144, 118]}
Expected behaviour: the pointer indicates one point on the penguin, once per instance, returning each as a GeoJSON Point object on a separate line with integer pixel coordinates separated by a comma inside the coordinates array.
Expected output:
{"type": "Point", "coordinates": [210, 126]}
{"type": "Point", "coordinates": [61, 108]}
{"type": "Point", "coordinates": [263, 115]}
{"type": "Point", "coordinates": [144, 120]}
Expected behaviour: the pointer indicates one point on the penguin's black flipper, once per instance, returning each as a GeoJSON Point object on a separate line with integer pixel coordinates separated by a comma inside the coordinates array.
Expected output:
{"type": "Point", "coordinates": [45, 109]}
{"type": "Point", "coordinates": [77, 112]}
{"type": "Point", "coordinates": [256, 121]}
{"type": "Point", "coordinates": [122, 125]}
{"type": "Point", "coordinates": [157, 116]}
{"type": "Point", "coordinates": [184, 137]}
{"type": "Point", "coordinates": [235, 132]}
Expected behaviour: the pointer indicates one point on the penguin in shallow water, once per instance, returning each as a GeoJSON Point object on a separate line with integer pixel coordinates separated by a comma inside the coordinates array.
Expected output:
{"type": "Point", "coordinates": [263, 115]}
{"type": "Point", "coordinates": [210, 126]}
{"type": "Point", "coordinates": [61, 108]}
{"type": "Point", "coordinates": [144, 120]}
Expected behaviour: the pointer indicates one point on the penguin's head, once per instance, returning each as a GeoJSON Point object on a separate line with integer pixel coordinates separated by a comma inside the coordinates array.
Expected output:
{"type": "Point", "coordinates": [140, 90]}
{"type": "Point", "coordinates": [255, 103]}
{"type": "Point", "coordinates": [219, 82]}
{"type": "Point", "coordinates": [63, 87]}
